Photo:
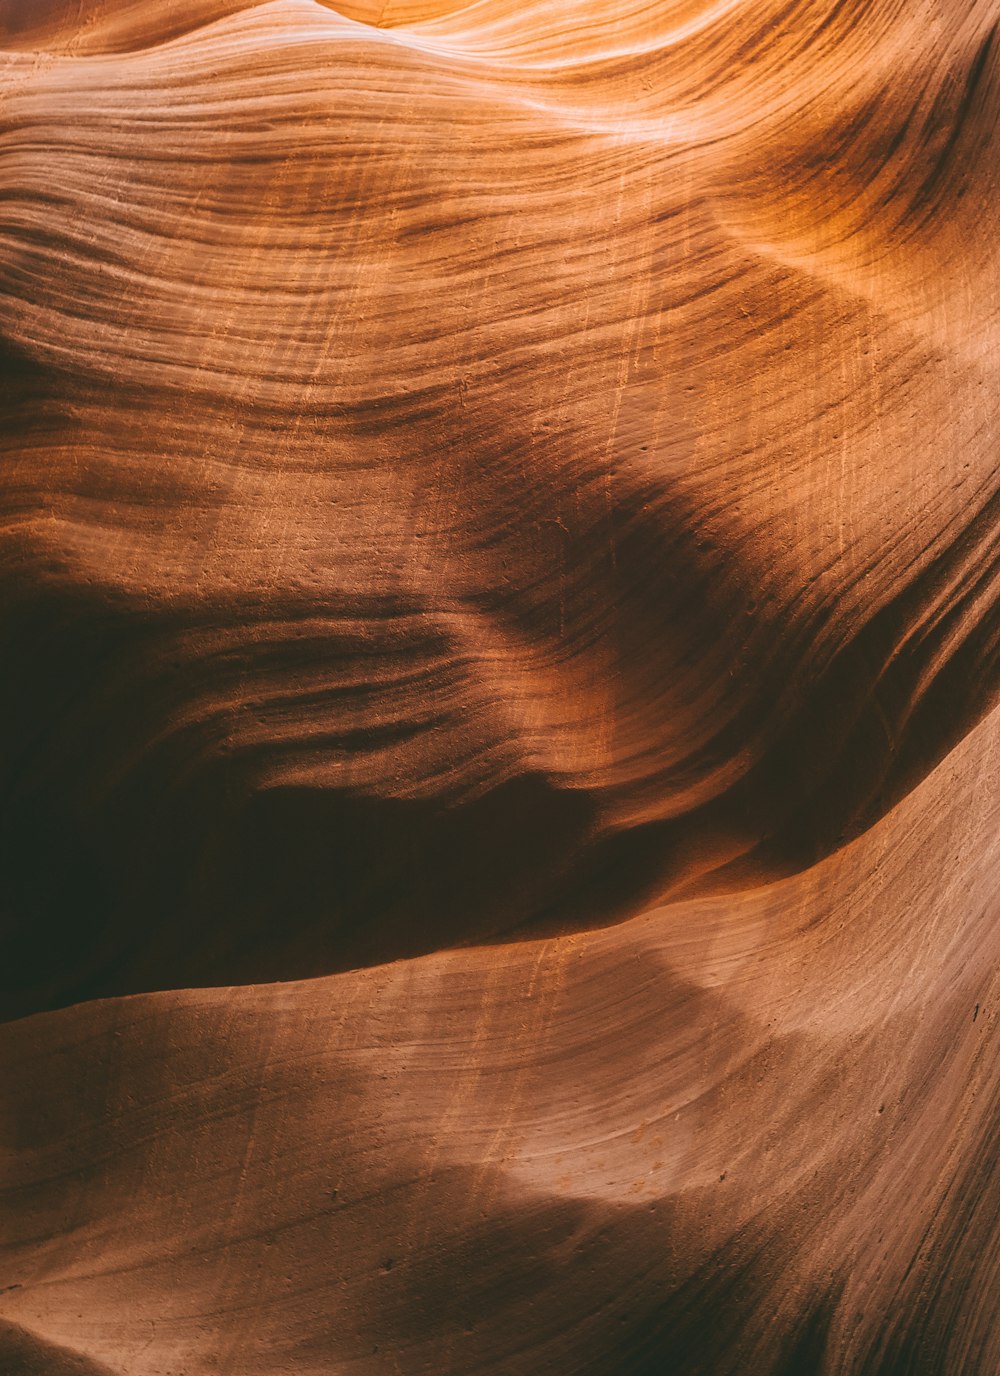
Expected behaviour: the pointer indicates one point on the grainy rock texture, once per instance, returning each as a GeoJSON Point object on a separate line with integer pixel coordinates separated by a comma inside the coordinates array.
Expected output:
{"type": "Point", "coordinates": [500, 607]}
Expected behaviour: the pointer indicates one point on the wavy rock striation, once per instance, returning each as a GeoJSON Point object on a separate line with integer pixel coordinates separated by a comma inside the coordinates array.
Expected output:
{"type": "Point", "coordinates": [499, 568]}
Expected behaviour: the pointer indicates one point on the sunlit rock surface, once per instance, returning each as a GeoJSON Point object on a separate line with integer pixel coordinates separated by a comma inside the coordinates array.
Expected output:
{"type": "Point", "coordinates": [499, 605]}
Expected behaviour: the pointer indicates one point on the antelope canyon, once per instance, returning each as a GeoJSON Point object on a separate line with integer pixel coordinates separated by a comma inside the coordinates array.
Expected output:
{"type": "Point", "coordinates": [500, 616]}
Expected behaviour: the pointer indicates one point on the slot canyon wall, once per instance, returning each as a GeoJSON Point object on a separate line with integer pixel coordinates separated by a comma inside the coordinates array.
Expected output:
{"type": "Point", "coordinates": [499, 612]}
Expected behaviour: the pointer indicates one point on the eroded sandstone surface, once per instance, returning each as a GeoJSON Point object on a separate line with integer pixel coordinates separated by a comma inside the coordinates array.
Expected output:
{"type": "Point", "coordinates": [499, 604]}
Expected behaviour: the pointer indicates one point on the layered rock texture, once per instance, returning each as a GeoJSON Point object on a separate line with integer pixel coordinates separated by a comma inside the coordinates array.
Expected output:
{"type": "Point", "coordinates": [500, 606]}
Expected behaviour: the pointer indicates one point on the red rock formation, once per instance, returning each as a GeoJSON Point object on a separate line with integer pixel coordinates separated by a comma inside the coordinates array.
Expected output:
{"type": "Point", "coordinates": [498, 567]}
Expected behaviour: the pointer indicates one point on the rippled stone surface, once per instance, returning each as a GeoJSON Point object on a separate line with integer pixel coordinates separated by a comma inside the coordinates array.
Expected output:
{"type": "Point", "coordinates": [499, 602]}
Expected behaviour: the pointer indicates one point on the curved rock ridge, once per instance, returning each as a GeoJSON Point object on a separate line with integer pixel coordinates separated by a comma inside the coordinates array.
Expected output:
{"type": "Point", "coordinates": [738, 1133]}
{"type": "Point", "coordinates": [500, 588]}
{"type": "Point", "coordinates": [469, 478]}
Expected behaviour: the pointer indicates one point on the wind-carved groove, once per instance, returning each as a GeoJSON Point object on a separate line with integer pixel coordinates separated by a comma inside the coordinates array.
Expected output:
{"type": "Point", "coordinates": [500, 607]}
